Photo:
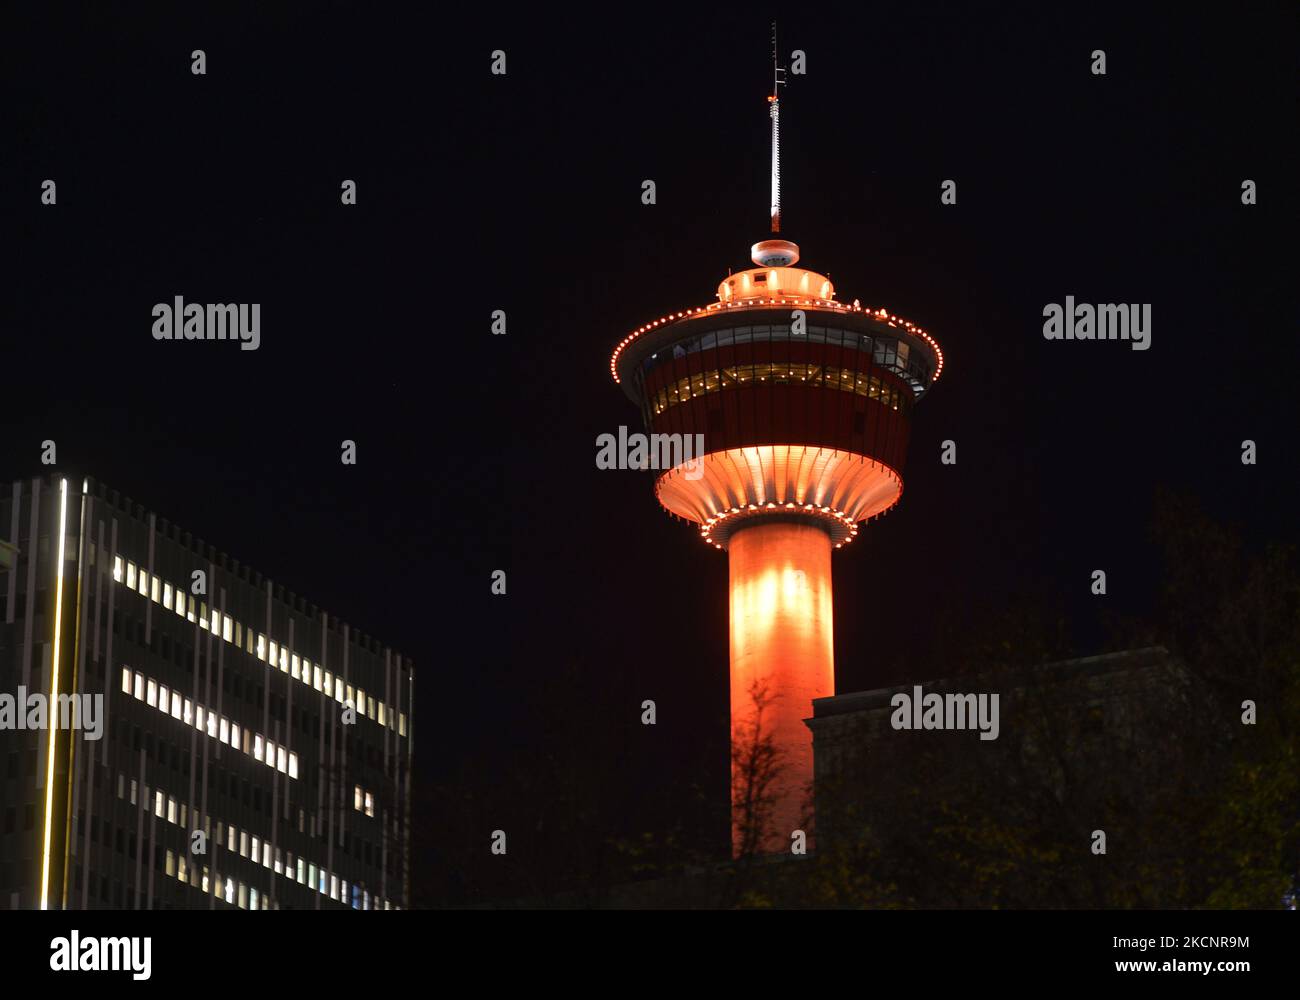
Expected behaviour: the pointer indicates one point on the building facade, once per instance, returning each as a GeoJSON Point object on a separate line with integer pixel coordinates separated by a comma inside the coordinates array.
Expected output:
{"type": "Point", "coordinates": [1080, 714]}
{"type": "Point", "coordinates": [178, 732]}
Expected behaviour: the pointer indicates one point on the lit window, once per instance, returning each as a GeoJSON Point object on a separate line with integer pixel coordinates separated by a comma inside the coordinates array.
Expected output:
{"type": "Point", "coordinates": [198, 717]}
{"type": "Point", "coordinates": [151, 694]}
{"type": "Point", "coordinates": [154, 590]}
{"type": "Point", "coordinates": [275, 652]}
{"type": "Point", "coordinates": [261, 646]}
{"type": "Point", "coordinates": [230, 890]}
{"type": "Point", "coordinates": [370, 706]}
{"type": "Point", "coordinates": [130, 576]}
{"type": "Point", "coordinates": [357, 799]}
{"type": "Point", "coordinates": [139, 686]}
{"type": "Point", "coordinates": [311, 876]}
{"type": "Point", "coordinates": [171, 864]}
{"type": "Point", "coordinates": [329, 683]}
{"type": "Point", "coordinates": [293, 765]}
{"type": "Point", "coordinates": [365, 899]}
{"type": "Point", "coordinates": [117, 568]}
{"type": "Point", "coordinates": [230, 839]}
{"type": "Point", "coordinates": [281, 760]}
{"type": "Point", "coordinates": [246, 741]}
{"type": "Point", "coordinates": [179, 605]}
{"type": "Point", "coordinates": [142, 582]}
{"type": "Point", "coordinates": [252, 898]}
{"type": "Point", "coordinates": [182, 868]}
{"type": "Point", "coordinates": [216, 622]}
{"type": "Point", "coordinates": [284, 659]}
{"type": "Point", "coordinates": [188, 716]}
{"type": "Point", "coordinates": [133, 791]}
{"type": "Point", "coordinates": [316, 676]}
{"type": "Point", "coordinates": [224, 730]}
{"type": "Point", "coordinates": [401, 723]}
{"type": "Point", "coordinates": [167, 596]}
{"type": "Point", "coordinates": [243, 843]}
{"type": "Point", "coordinates": [295, 665]}
{"type": "Point", "coordinates": [190, 613]}
{"type": "Point", "coordinates": [323, 887]}
{"type": "Point", "coordinates": [176, 705]}
{"type": "Point", "coordinates": [270, 754]}
{"type": "Point", "coordinates": [370, 804]}
{"type": "Point", "coordinates": [279, 862]}
{"type": "Point", "coordinates": [159, 805]}
{"type": "Point", "coordinates": [239, 635]}
{"type": "Point", "coordinates": [212, 724]}
{"type": "Point", "coordinates": [171, 809]}
{"type": "Point", "coordinates": [257, 848]}
{"type": "Point", "coordinates": [302, 872]}
{"type": "Point", "coordinates": [234, 736]}
{"type": "Point", "coordinates": [334, 887]}
{"type": "Point", "coordinates": [351, 699]}
{"type": "Point", "coordinates": [257, 747]}
{"type": "Point", "coordinates": [243, 896]}
{"type": "Point", "coordinates": [164, 698]}
{"type": "Point", "coordinates": [356, 896]}
{"type": "Point", "coordinates": [184, 813]}
{"type": "Point", "coordinates": [266, 854]}
{"type": "Point", "coordinates": [227, 627]}
{"type": "Point", "coordinates": [203, 615]}
{"type": "Point", "coordinates": [383, 717]}
{"type": "Point", "coordinates": [338, 689]}
{"type": "Point", "coordinates": [126, 680]}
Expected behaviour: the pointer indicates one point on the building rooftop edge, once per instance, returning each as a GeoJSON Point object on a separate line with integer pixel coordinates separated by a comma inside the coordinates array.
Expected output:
{"type": "Point", "coordinates": [857, 701]}
{"type": "Point", "coordinates": [207, 551]}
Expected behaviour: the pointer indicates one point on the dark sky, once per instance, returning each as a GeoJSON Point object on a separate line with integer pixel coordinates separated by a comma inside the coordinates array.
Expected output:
{"type": "Point", "coordinates": [522, 192]}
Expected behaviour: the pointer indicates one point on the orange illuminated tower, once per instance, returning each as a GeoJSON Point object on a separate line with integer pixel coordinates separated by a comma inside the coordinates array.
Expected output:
{"type": "Point", "coordinates": [804, 404]}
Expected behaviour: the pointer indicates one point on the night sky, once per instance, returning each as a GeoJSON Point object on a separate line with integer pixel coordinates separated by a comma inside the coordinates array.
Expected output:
{"type": "Point", "coordinates": [478, 192]}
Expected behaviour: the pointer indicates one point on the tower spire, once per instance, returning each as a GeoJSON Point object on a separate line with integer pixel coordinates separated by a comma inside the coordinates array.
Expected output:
{"type": "Point", "coordinates": [775, 252]}
{"type": "Point", "coordinates": [778, 79]}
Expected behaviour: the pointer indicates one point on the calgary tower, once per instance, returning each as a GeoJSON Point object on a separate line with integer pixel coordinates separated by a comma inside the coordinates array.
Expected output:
{"type": "Point", "coordinates": [804, 403]}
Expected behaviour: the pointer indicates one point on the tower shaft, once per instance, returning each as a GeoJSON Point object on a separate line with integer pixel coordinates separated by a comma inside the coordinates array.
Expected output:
{"type": "Point", "coordinates": [782, 657]}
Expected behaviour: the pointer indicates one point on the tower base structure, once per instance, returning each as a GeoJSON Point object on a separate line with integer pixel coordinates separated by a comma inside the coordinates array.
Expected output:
{"type": "Point", "coordinates": [782, 657]}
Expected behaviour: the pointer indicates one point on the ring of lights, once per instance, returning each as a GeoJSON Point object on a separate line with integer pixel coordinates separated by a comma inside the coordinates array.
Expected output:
{"type": "Point", "coordinates": [718, 531]}
{"type": "Point", "coordinates": [837, 489]}
{"type": "Point", "coordinates": [880, 316]}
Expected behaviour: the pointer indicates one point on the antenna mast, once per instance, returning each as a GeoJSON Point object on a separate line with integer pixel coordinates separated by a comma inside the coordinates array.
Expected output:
{"type": "Point", "coordinates": [778, 78]}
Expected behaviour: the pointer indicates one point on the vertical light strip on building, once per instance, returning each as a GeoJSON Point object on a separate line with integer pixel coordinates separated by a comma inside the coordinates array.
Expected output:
{"type": "Point", "coordinates": [78, 669]}
{"type": "Point", "coordinates": [54, 696]}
